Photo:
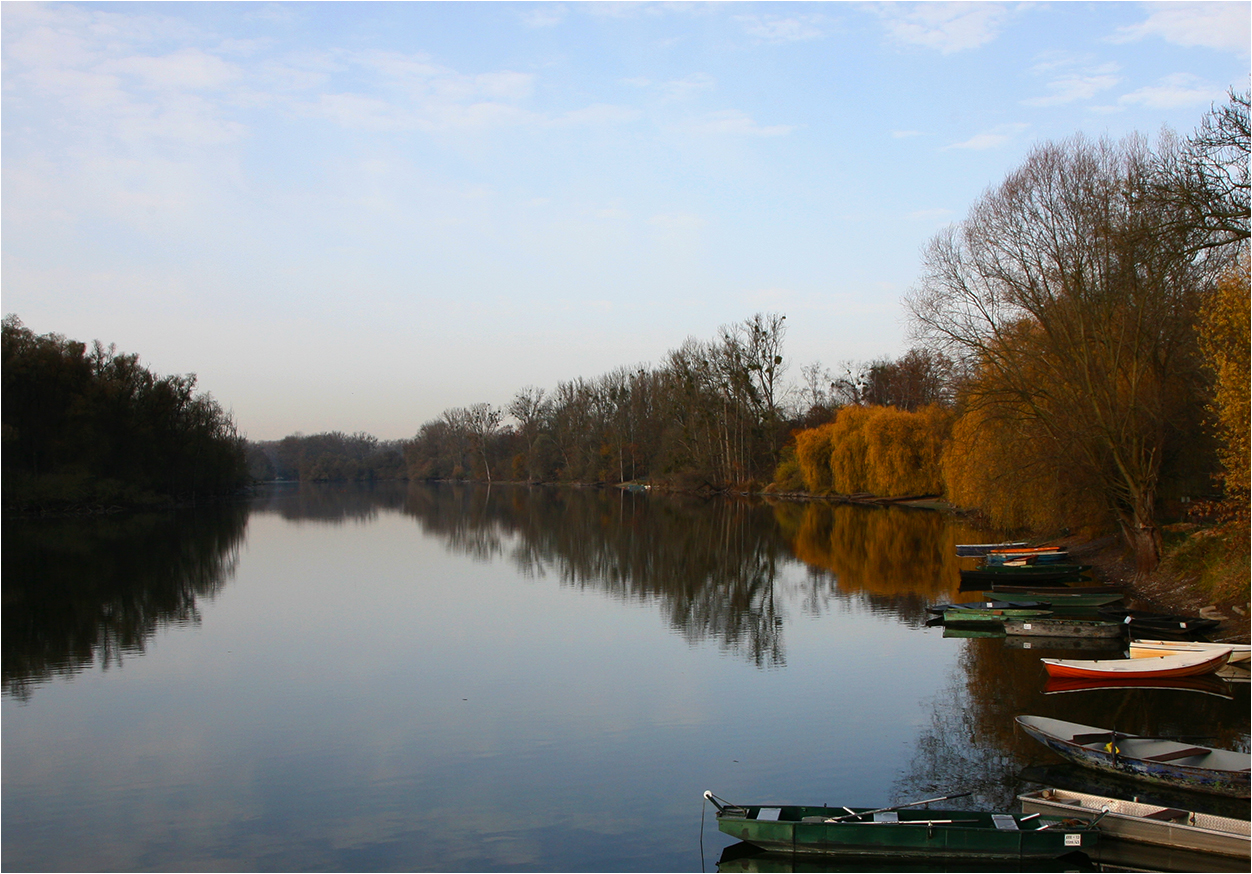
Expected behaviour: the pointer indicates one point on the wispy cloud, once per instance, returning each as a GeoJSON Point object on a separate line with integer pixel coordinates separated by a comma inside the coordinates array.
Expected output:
{"type": "Point", "coordinates": [1221, 25]}
{"type": "Point", "coordinates": [544, 15]}
{"type": "Point", "coordinates": [676, 227]}
{"type": "Point", "coordinates": [1174, 92]}
{"type": "Point", "coordinates": [944, 27]}
{"type": "Point", "coordinates": [600, 114]}
{"type": "Point", "coordinates": [782, 29]}
{"type": "Point", "coordinates": [1072, 81]}
{"type": "Point", "coordinates": [736, 122]}
{"type": "Point", "coordinates": [997, 136]}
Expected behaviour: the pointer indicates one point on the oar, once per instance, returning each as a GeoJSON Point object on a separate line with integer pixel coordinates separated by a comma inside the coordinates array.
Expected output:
{"type": "Point", "coordinates": [900, 806]}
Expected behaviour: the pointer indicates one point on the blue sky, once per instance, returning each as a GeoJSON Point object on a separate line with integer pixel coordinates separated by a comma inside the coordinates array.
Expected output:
{"type": "Point", "coordinates": [352, 216]}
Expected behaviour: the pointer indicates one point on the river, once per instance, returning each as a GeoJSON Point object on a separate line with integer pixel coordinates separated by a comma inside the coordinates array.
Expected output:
{"type": "Point", "coordinates": [457, 678]}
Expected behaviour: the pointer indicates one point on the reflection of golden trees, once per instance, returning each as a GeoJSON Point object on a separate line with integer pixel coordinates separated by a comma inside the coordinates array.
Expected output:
{"type": "Point", "coordinates": [84, 591]}
{"type": "Point", "coordinates": [878, 550]}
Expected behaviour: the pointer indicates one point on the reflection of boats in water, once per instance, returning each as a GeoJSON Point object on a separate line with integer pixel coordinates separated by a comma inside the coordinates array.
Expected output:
{"type": "Point", "coordinates": [1085, 644]}
{"type": "Point", "coordinates": [745, 857]}
{"type": "Point", "coordinates": [1147, 823]}
{"type": "Point", "coordinates": [1155, 760]}
{"type": "Point", "coordinates": [903, 831]}
{"type": "Point", "coordinates": [1209, 685]}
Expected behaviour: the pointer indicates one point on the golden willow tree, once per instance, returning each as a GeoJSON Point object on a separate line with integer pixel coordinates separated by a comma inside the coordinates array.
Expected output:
{"type": "Point", "coordinates": [1224, 337]}
{"type": "Point", "coordinates": [876, 450]}
{"type": "Point", "coordinates": [1071, 293]}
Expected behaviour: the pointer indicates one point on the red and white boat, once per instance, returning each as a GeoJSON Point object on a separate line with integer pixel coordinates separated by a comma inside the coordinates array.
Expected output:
{"type": "Point", "coordinates": [1189, 664]}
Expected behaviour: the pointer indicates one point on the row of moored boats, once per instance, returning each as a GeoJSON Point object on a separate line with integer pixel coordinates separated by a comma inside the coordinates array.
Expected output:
{"type": "Point", "coordinates": [1037, 592]}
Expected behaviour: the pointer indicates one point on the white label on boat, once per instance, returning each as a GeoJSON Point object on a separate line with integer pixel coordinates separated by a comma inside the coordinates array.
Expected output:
{"type": "Point", "coordinates": [769, 814]}
{"type": "Point", "coordinates": [1073, 840]}
{"type": "Point", "coordinates": [1026, 625]}
{"type": "Point", "coordinates": [1026, 643]}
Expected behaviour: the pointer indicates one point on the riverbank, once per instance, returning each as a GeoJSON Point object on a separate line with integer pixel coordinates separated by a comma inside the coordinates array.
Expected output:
{"type": "Point", "coordinates": [1173, 587]}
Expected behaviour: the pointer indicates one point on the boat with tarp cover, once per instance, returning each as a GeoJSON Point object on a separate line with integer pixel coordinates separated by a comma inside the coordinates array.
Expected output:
{"type": "Point", "coordinates": [900, 832]}
{"type": "Point", "coordinates": [1159, 761]}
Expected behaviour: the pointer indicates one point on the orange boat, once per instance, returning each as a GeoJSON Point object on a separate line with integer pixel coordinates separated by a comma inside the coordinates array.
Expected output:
{"type": "Point", "coordinates": [1182, 665]}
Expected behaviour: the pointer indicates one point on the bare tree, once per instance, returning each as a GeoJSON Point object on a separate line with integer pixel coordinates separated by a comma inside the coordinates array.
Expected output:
{"type": "Point", "coordinates": [483, 422]}
{"type": "Point", "coordinates": [528, 408]}
{"type": "Point", "coordinates": [1072, 294]}
{"type": "Point", "coordinates": [1205, 180]}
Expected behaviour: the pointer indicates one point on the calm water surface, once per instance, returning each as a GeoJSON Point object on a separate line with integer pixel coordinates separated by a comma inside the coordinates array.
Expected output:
{"type": "Point", "coordinates": [461, 679]}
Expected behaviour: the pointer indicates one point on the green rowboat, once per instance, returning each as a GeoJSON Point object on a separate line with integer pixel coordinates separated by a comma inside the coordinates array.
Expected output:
{"type": "Point", "coordinates": [901, 833]}
{"type": "Point", "coordinates": [978, 613]}
{"type": "Point", "coordinates": [1060, 602]}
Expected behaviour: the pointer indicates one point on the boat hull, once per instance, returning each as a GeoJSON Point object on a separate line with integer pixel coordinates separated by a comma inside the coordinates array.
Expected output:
{"type": "Point", "coordinates": [1143, 624]}
{"type": "Point", "coordinates": [988, 618]}
{"type": "Point", "coordinates": [1059, 601]}
{"type": "Point", "coordinates": [1026, 575]}
{"type": "Point", "coordinates": [1148, 668]}
{"type": "Point", "coordinates": [920, 834]}
{"type": "Point", "coordinates": [973, 549]}
{"type": "Point", "coordinates": [1063, 628]}
{"type": "Point", "coordinates": [1149, 760]}
{"type": "Point", "coordinates": [1147, 823]}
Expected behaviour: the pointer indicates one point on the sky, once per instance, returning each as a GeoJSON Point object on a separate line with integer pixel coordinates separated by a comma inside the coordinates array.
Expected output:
{"type": "Point", "coordinates": [354, 216]}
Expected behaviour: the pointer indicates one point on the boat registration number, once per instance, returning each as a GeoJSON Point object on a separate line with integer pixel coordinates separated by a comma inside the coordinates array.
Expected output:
{"type": "Point", "coordinates": [1073, 840]}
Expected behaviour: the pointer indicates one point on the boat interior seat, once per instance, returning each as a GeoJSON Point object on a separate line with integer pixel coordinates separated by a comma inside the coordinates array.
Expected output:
{"type": "Point", "coordinates": [889, 816]}
{"type": "Point", "coordinates": [1004, 821]}
{"type": "Point", "coordinates": [1094, 737]}
{"type": "Point", "coordinates": [1179, 754]}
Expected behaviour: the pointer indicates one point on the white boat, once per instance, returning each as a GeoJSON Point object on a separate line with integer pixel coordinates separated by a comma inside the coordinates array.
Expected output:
{"type": "Point", "coordinates": [1185, 664]}
{"type": "Point", "coordinates": [1147, 823]}
{"type": "Point", "coordinates": [1239, 652]}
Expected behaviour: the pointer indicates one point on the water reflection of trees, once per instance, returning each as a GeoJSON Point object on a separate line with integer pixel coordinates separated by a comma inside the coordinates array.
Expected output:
{"type": "Point", "coordinates": [329, 502]}
{"type": "Point", "coordinates": [83, 591]}
{"type": "Point", "coordinates": [884, 551]}
{"type": "Point", "coordinates": [972, 743]}
{"type": "Point", "coordinates": [713, 565]}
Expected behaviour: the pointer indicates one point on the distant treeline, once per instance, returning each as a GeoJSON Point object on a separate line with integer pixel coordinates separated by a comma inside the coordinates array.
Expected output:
{"type": "Point", "coordinates": [713, 415]}
{"type": "Point", "coordinates": [85, 427]}
{"type": "Point", "coordinates": [329, 457]}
